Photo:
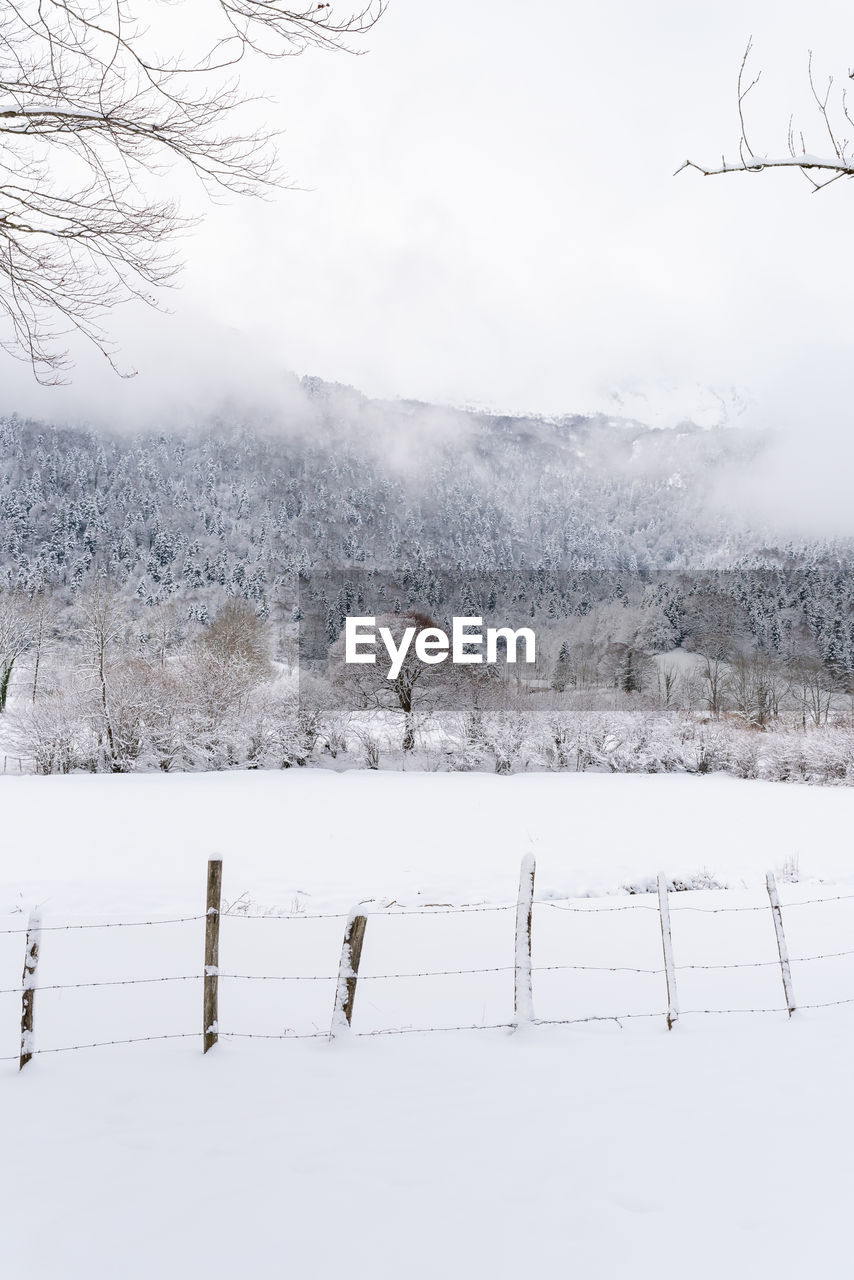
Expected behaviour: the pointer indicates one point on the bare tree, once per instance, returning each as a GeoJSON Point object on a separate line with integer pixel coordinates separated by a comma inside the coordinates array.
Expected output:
{"type": "Point", "coordinates": [103, 622]}
{"type": "Point", "coordinates": [417, 689]}
{"type": "Point", "coordinates": [46, 611]}
{"type": "Point", "coordinates": [96, 105]}
{"type": "Point", "coordinates": [834, 116]}
{"type": "Point", "coordinates": [230, 660]}
{"type": "Point", "coordinates": [18, 626]}
{"type": "Point", "coordinates": [669, 681]}
{"type": "Point", "coordinates": [162, 629]}
{"type": "Point", "coordinates": [715, 680]}
{"type": "Point", "coordinates": [813, 689]}
{"type": "Point", "coordinates": [756, 686]}
{"type": "Point", "coordinates": [237, 634]}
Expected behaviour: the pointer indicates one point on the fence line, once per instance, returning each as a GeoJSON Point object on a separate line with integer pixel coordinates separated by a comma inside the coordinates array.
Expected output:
{"type": "Point", "coordinates": [390, 912]}
{"type": "Point", "coordinates": [469, 1026]}
{"type": "Point", "coordinates": [348, 975]}
{"type": "Point", "coordinates": [433, 973]}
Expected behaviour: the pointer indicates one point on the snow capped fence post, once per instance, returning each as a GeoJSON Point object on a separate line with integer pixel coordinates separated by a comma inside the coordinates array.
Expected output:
{"type": "Point", "coordinates": [210, 1015]}
{"type": "Point", "coordinates": [348, 972]}
{"type": "Point", "coordinates": [523, 995]}
{"type": "Point", "coordinates": [29, 982]}
{"type": "Point", "coordinates": [782, 949]}
{"type": "Point", "coordinates": [667, 946]}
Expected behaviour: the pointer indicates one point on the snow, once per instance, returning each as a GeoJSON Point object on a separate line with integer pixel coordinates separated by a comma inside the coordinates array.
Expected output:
{"type": "Point", "coordinates": [30, 979]}
{"type": "Point", "coordinates": [138, 843]}
{"type": "Point", "coordinates": [680, 660]}
{"type": "Point", "coordinates": [611, 1147]}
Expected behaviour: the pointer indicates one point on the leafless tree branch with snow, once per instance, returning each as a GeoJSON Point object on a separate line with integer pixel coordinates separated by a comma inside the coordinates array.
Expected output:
{"type": "Point", "coordinates": [819, 168]}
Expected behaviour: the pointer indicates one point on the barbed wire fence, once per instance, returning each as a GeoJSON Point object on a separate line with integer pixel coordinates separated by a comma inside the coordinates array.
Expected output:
{"type": "Point", "coordinates": [347, 978]}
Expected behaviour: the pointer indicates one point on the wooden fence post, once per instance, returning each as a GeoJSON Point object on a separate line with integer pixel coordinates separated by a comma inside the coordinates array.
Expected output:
{"type": "Point", "coordinates": [28, 982]}
{"type": "Point", "coordinates": [667, 947]}
{"type": "Point", "coordinates": [210, 1015]}
{"type": "Point", "coordinates": [782, 949]}
{"type": "Point", "coordinates": [523, 994]}
{"type": "Point", "coordinates": [348, 972]}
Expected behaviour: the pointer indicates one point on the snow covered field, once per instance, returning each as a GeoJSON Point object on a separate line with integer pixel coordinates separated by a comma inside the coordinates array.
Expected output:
{"type": "Point", "coordinates": [603, 1148]}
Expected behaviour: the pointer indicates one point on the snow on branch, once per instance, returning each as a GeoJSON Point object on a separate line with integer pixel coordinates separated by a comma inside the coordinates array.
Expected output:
{"type": "Point", "coordinates": [819, 168]}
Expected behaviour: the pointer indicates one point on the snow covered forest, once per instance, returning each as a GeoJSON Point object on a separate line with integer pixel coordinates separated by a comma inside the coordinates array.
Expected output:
{"type": "Point", "coordinates": [173, 599]}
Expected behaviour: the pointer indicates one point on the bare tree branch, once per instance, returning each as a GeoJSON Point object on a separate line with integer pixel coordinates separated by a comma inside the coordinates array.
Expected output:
{"type": "Point", "coordinates": [834, 115]}
{"type": "Point", "coordinates": [95, 110]}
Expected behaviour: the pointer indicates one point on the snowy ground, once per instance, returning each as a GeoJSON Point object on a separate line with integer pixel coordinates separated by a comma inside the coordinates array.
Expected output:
{"type": "Point", "coordinates": [604, 1148]}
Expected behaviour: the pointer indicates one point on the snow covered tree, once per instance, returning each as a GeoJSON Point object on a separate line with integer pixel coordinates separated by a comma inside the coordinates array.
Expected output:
{"type": "Point", "coordinates": [632, 670]}
{"type": "Point", "coordinates": [563, 673]}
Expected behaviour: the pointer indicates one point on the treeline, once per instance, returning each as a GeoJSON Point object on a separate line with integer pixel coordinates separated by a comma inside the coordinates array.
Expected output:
{"type": "Point", "coordinates": [174, 599]}
{"type": "Point", "coordinates": [244, 508]}
{"type": "Point", "coordinates": [117, 686]}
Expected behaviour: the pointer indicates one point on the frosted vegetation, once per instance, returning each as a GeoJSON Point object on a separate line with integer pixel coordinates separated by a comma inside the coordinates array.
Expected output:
{"type": "Point", "coordinates": [158, 591]}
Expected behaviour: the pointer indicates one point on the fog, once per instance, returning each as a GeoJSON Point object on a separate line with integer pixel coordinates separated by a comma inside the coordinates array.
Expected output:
{"type": "Point", "coordinates": [486, 215]}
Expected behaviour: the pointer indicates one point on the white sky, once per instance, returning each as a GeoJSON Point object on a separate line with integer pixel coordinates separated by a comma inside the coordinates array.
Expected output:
{"type": "Point", "coordinates": [490, 217]}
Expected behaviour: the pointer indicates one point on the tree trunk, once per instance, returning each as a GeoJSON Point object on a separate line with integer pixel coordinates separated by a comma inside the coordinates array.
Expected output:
{"type": "Point", "coordinates": [38, 656]}
{"type": "Point", "coordinates": [107, 724]}
{"type": "Point", "coordinates": [5, 677]}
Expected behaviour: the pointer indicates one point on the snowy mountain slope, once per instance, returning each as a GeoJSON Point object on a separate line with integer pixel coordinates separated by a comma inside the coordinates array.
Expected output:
{"type": "Point", "coordinates": [244, 502]}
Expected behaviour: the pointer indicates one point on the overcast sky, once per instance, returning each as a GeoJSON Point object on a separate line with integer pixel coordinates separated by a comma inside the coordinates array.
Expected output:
{"type": "Point", "coordinates": [489, 216]}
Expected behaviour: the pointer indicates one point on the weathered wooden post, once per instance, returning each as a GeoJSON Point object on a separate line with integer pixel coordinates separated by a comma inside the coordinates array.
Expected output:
{"type": "Point", "coordinates": [348, 973]}
{"type": "Point", "coordinates": [523, 995]}
{"type": "Point", "coordinates": [210, 1015]}
{"type": "Point", "coordinates": [667, 947]}
{"type": "Point", "coordinates": [29, 982]}
{"type": "Point", "coordinates": [782, 949]}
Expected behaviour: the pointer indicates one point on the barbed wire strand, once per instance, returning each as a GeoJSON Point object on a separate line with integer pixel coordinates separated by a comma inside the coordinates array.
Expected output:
{"type": "Point", "coordinates": [420, 1031]}
{"type": "Point", "coordinates": [688, 1013]}
{"type": "Point", "coordinates": [388, 912]}
{"type": "Point", "coordinates": [102, 1044]}
{"type": "Point", "coordinates": [427, 973]}
{"type": "Point", "coordinates": [804, 902]}
{"type": "Point", "coordinates": [678, 906]}
{"type": "Point", "coordinates": [117, 982]}
{"type": "Point", "coordinates": [287, 1035]}
{"type": "Point", "coordinates": [595, 1017]}
{"type": "Point", "coordinates": [594, 911]}
{"type": "Point", "coordinates": [399, 1031]}
{"type": "Point", "coordinates": [110, 924]}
